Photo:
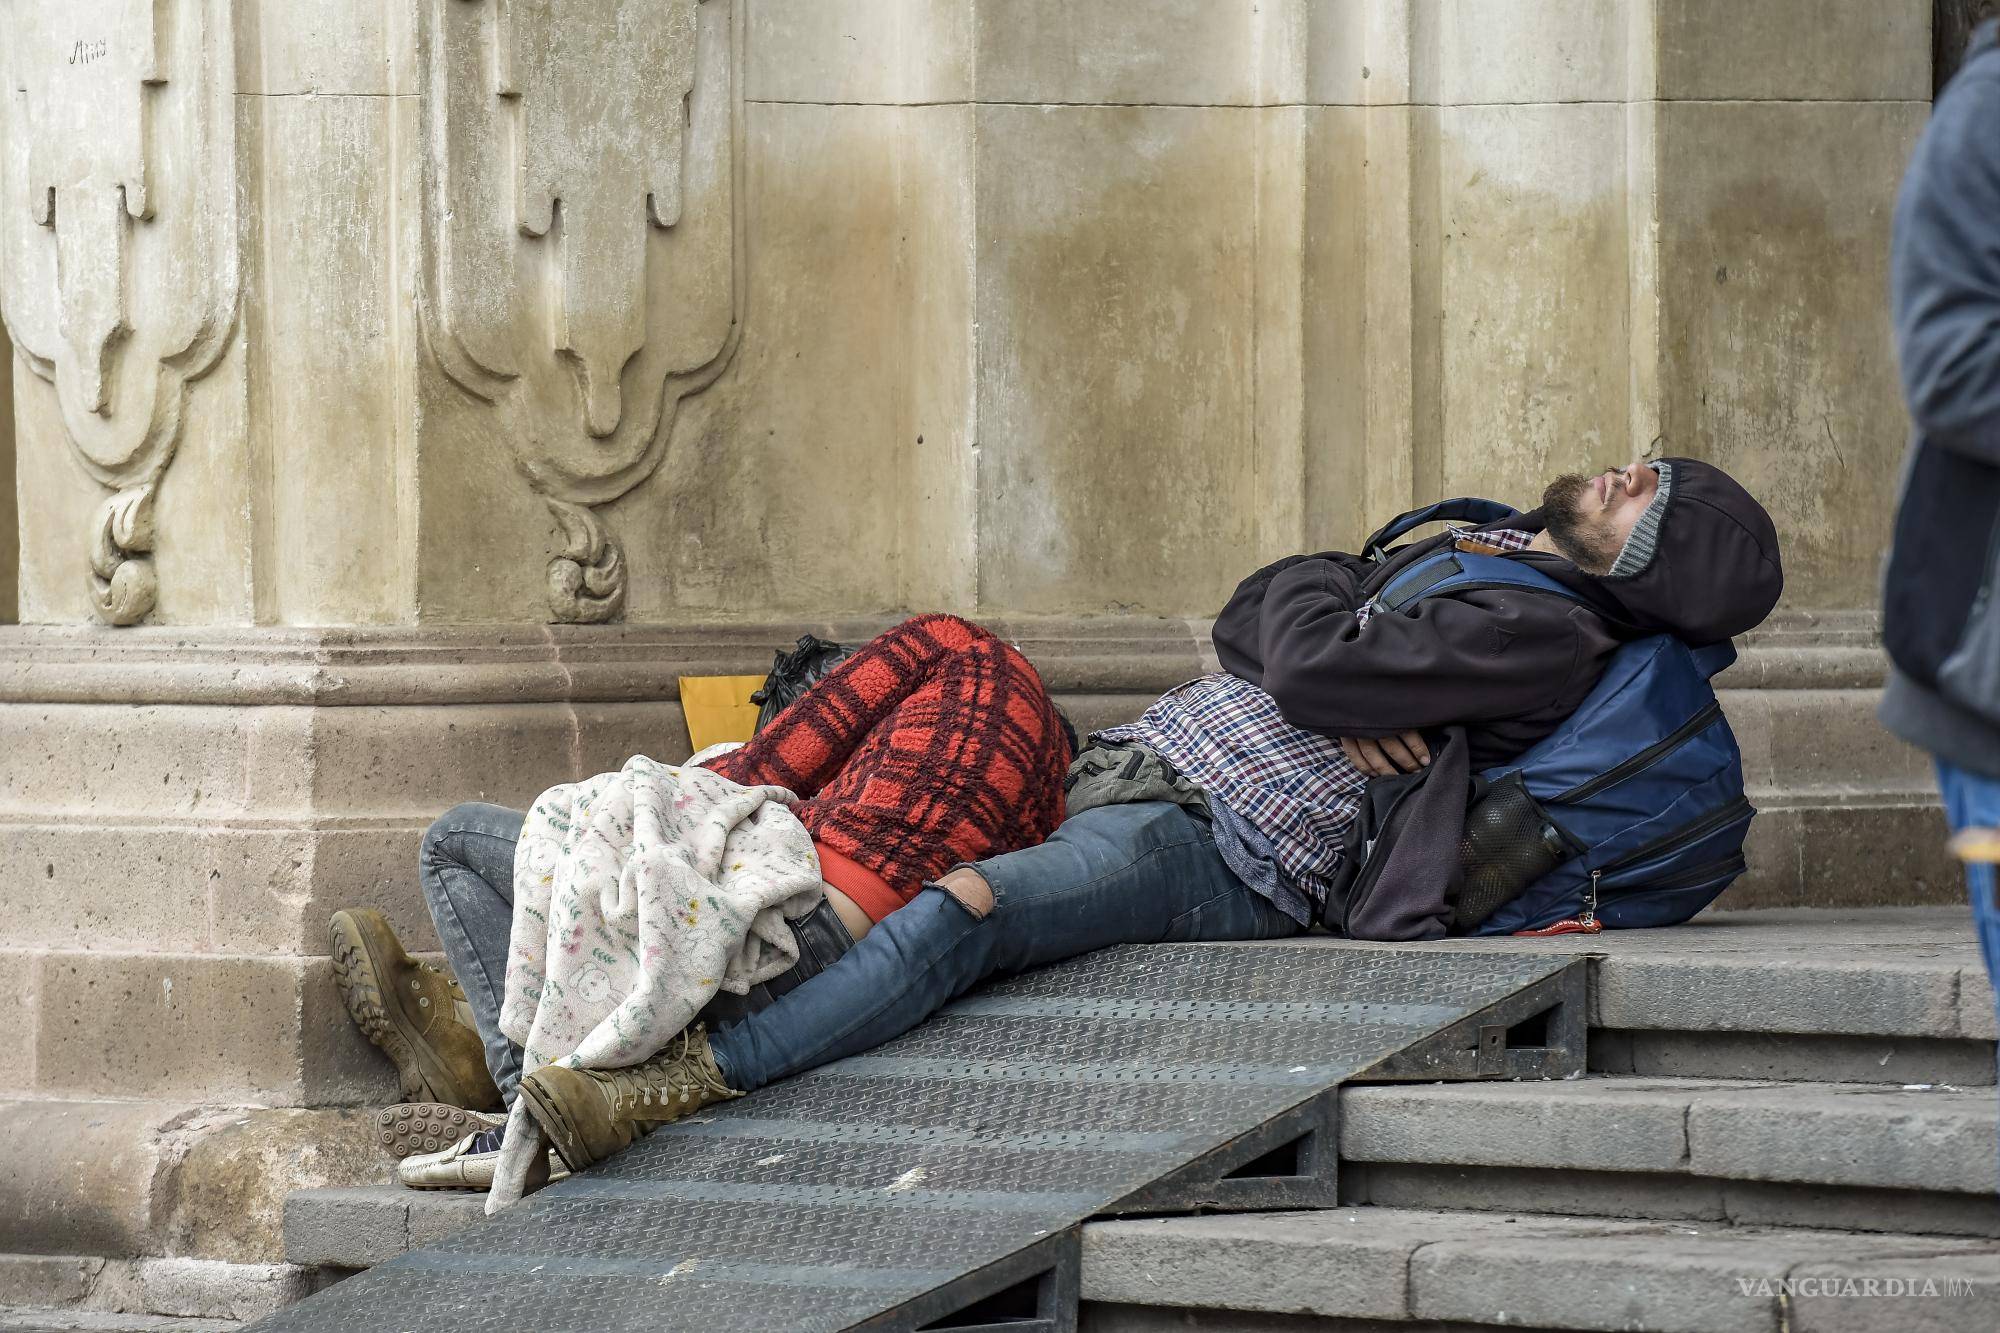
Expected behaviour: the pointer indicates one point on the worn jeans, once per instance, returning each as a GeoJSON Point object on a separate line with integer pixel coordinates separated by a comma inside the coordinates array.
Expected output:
{"type": "Point", "coordinates": [1972, 800]}
{"type": "Point", "coordinates": [467, 871]}
{"type": "Point", "coordinates": [1120, 874]}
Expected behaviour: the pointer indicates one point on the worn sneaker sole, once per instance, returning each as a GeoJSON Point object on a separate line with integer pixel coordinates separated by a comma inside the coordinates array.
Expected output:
{"type": "Point", "coordinates": [358, 970]}
{"type": "Point", "coordinates": [421, 1127]}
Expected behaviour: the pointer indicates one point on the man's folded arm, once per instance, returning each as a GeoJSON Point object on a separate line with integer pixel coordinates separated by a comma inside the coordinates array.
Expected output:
{"type": "Point", "coordinates": [1486, 655]}
{"type": "Point", "coordinates": [1238, 629]}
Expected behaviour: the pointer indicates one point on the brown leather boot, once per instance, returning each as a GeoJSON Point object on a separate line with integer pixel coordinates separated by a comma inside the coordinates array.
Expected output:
{"type": "Point", "coordinates": [589, 1114]}
{"type": "Point", "coordinates": [414, 1012]}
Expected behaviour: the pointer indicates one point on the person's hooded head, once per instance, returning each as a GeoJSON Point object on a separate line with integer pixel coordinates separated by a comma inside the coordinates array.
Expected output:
{"type": "Point", "coordinates": [1676, 546]}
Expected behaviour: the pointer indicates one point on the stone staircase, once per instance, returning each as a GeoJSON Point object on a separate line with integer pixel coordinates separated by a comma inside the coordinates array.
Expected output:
{"type": "Point", "coordinates": [1778, 1101]}
{"type": "Point", "coordinates": [1773, 1095]}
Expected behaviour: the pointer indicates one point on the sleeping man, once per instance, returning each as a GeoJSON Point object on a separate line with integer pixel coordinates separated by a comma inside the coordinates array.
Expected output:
{"type": "Point", "coordinates": [1218, 815]}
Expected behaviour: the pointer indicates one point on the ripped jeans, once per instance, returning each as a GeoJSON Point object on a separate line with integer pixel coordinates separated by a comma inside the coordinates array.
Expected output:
{"type": "Point", "coordinates": [1119, 874]}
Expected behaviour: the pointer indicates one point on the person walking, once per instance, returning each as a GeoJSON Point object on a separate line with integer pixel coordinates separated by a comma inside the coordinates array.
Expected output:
{"type": "Point", "coordinates": [1941, 591]}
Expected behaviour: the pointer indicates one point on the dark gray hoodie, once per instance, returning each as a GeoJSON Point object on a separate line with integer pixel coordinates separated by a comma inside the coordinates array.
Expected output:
{"type": "Point", "coordinates": [1941, 592]}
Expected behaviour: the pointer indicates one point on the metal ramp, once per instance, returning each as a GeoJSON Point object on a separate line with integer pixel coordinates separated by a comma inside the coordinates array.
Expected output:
{"type": "Point", "coordinates": [940, 1181]}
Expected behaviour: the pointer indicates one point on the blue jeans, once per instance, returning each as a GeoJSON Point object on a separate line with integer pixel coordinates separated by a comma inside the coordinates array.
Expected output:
{"type": "Point", "coordinates": [1119, 874]}
{"type": "Point", "coordinates": [1972, 800]}
{"type": "Point", "coordinates": [467, 871]}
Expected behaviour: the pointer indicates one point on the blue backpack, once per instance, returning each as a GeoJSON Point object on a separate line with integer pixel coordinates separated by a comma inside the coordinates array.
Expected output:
{"type": "Point", "coordinates": [1631, 813]}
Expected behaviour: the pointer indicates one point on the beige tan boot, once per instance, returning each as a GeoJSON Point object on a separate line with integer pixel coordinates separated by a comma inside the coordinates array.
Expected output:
{"type": "Point", "coordinates": [414, 1012]}
{"type": "Point", "coordinates": [589, 1114]}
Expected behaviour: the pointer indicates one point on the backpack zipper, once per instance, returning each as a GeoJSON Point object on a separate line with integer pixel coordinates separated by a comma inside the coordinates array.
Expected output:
{"type": "Point", "coordinates": [1687, 879]}
{"type": "Point", "coordinates": [1686, 835]}
{"type": "Point", "coordinates": [1643, 760]}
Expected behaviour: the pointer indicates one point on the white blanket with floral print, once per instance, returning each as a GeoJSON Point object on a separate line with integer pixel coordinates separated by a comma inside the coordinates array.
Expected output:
{"type": "Point", "coordinates": [638, 894]}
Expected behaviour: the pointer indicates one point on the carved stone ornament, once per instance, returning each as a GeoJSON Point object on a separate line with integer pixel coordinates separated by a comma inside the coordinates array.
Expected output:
{"type": "Point", "coordinates": [118, 243]}
{"type": "Point", "coordinates": [581, 251]}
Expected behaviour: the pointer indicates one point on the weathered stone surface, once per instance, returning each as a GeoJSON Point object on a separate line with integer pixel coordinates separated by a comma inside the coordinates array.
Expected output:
{"type": "Point", "coordinates": [207, 1289]}
{"type": "Point", "coordinates": [1887, 996]}
{"type": "Point", "coordinates": [1585, 1124]}
{"type": "Point", "coordinates": [862, 215]}
{"type": "Point", "coordinates": [866, 51]}
{"type": "Point", "coordinates": [1688, 1277]}
{"type": "Point", "coordinates": [1509, 1189]}
{"type": "Point", "coordinates": [1792, 50]}
{"type": "Point", "coordinates": [362, 1226]}
{"type": "Point", "coordinates": [1345, 1262]}
{"type": "Point", "coordinates": [1771, 270]}
{"type": "Point", "coordinates": [351, 1228]}
{"type": "Point", "coordinates": [1555, 51]}
{"type": "Point", "coordinates": [1836, 1134]}
{"type": "Point", "coordinates": [1532, 292]}
{"type": "Point", "coordinates": [41, 1294]}
{"type": "Point", "coordinates": [1151, 52]}
{"type": "Point", "coordinates": [78, 1176]}
{"type": "Point", "coordinates": [10, 520]}
{"type": "Point", "coordinates": [1914, 1294]}
{"type": "Point", "coordinates": [1763, 1203]}
{"type": "Point", "coordinates": [1935, 1139]}
{"type": "Point", "coordinates": [200, 1026]}
{"type": "Point", "coordinates": [223, 1193]}
{"type": "Point", "coordinates": [1116, 353]}
{"type": "Point", "coordinates": [1797, 1057]}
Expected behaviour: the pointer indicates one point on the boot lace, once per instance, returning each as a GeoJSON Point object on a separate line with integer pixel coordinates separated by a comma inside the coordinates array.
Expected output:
{"type": "Point", "coordinates": [672, 1083]}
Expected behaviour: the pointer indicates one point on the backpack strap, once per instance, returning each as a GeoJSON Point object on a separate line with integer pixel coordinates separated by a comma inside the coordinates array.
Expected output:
{"type": "Point", "coordinates": [1465, 509]}
{"type": "Point", "coordinates": [1451, 571]}
{"type": "Point", "coordinates": [1715, 658]}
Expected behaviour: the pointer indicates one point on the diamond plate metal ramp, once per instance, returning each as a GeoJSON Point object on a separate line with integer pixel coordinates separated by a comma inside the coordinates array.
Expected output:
{"type": "Point", "coordinates": [939, 1182]}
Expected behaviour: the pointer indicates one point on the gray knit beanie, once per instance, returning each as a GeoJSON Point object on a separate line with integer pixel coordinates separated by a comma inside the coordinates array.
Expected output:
{"type": "Point", "coordinates": [1638, 550]}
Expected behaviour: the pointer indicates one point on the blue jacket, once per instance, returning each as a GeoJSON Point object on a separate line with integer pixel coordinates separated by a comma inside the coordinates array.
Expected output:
{"type": "Point", "coordinates": [1941, 593]}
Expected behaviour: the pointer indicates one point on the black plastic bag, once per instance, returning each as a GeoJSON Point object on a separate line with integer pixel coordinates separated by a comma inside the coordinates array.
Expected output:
{"type": "Point", "coordinates": [793, 673]}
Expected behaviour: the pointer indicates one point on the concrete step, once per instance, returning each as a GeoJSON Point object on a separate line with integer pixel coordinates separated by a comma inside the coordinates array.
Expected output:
{"type": "Point", "coordinates": [69, 1321]}
{"type": "Point", "coordinates": [1864, 1157]}
{"type": "Point", "coordinates": [1390, 1267]}
{"type": "Point", "coordinates": [1893, 972]}
{"type": "Point", "coordinates": [58, 1291]}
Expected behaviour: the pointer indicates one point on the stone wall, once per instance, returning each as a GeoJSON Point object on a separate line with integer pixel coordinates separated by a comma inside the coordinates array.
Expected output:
{"type": "Point", "coordinates": [823, 306]}
{"type": "Point", "coordinates": [10, 519]}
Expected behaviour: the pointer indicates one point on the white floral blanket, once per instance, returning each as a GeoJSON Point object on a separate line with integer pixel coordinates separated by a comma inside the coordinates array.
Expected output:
{"type": "Point", "coordinates": [637, 895]}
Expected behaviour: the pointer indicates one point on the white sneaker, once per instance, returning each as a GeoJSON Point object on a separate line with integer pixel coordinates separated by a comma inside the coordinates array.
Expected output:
{"type": "Point", "coordinates": [458, 1167]}
{"type": "Point", "coordinates": [469, 1164]}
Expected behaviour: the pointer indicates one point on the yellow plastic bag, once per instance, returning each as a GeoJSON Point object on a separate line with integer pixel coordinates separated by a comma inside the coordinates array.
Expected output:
{"type": "Point", "coordinates": [718, 708]}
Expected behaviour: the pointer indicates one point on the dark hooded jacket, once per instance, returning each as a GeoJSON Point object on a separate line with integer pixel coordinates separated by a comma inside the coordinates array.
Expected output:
{"type": "Point", "coordinates": [1941, 599]}
{"type": "Point", "coordinates": [1509, 664]}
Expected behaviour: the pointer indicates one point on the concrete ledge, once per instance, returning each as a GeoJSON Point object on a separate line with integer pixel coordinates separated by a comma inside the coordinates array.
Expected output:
{"type": "Point", "coordinates": [1832, 1134]}
{"type": "Point", "coordinates": [371, 1224]}
{"type": "Point", "coordinates": [1885, 972]}
{"type": "Point", "coordinates": [62, 1291]}
{"type": "Point", "coordinates": [1667, 1197]}
{"type": "Point", "coordinates": [160, 1180]}
{"type": "Point", "coordinates": [1793, 1057]}
{"type": "Point", "coordinates": [641, 662]}
{"type": "Point", "coordinates": [1392, 1264]}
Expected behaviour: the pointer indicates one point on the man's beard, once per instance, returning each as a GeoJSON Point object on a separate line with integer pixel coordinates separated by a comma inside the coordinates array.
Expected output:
{"type": "Point", "coordinates": [1579, 531]}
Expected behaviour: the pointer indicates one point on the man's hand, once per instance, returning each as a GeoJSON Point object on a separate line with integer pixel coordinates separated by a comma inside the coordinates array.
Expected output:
{"type": "Point", "coordinates": [1389, 755]}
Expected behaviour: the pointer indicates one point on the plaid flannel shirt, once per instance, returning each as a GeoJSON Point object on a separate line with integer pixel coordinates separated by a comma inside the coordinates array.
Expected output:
{"type": "Point", "coordinates": [1295, 788]}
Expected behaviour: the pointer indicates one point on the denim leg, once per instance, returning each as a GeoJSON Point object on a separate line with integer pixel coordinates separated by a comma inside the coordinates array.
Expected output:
{"type": "Point", "coordinates": [1118, 874]}
{"type": "Point", "coordinates": [467, 872]}
{"type": "Point", "coordinates": [1973, 801]}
